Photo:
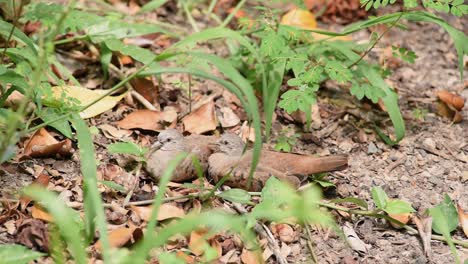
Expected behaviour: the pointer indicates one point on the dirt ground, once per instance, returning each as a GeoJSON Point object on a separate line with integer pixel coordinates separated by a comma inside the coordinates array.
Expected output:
{"type": "Point", "coordinates": [432, 160]}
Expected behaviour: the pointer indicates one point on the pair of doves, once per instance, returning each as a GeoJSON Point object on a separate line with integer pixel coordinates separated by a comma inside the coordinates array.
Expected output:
{"type": "Point", "coordinates": [224, 155]}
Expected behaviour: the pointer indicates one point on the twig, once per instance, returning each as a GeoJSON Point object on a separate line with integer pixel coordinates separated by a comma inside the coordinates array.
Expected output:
{"type": "Point", "coordinates": [264, 232]}
{"type": "Point", "coordinates": [397, 163]}
{"type": "Point", "coordinates": [309, 244]}
{"type": "Point", "coordinates": [143, 100]}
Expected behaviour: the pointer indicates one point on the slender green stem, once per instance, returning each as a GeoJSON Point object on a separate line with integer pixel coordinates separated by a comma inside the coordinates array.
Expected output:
{"type": "Point", "coordinates": [376, 41]}
{"type": "Point", "coordinates": [72, 39]}
{"type": "Point", "coordinates": [189, 16]}
{"type": "Point", "coordinates": [233, 13]}
{"type": "Point", "coordinates": [211, 7]}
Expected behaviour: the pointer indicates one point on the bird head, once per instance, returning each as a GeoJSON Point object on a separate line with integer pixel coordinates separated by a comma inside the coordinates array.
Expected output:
{"type": "Point", "coordinates": [169, 139]}
{"type": "Point", "coordinates": [230, 144]}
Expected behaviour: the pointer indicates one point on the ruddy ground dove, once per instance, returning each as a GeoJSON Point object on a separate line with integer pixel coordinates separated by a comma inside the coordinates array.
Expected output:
{"type": "Point", "coordinates": [228, 158]}
{"type": "Point", "coordinates": [170, 143]}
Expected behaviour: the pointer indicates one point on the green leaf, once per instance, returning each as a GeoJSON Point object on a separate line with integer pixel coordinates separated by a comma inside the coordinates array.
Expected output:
{"type": "Point", "coordinates": [62, 125]}
{"type": "Point", "coordinates": [449, 221]}
{"type": "Point", "coordinates": [294, 100]}
{"type": "Point", "coordinates": [324, 184]}
{"type": "Point", "coordinates": [17, 254]}
{"type": "Point", "coordinates": [94, 210]}
{"type": "Point", "coordinates": [236, 196]}
{"type": "Point", "coordinates": [143, 55]}
{"type": "Point", "coordinates": [126, 148]}
{"type": "Point", "coordinates": [117, 30]}
{"type": "Point", "coordinates": [398, 207]}
{"type": "Point", "coordinates": [380, 197]}
{"type": "Point", "coordinates": [444, 221]}
{"type": "Point", "coordinates": [337, 71]}
{"type": "Point", "coordinates": [5, 29]}
{"type": "Point", "coordinates": [357, 91]}
{"type": "Point", "coordinates": [354, 200]}
{"type": "Point", "coordinates": [152, 5]}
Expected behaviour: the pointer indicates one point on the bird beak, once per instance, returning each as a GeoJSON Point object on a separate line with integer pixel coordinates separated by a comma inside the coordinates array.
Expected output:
{"type": "Point", "coordinates": [157, 145]}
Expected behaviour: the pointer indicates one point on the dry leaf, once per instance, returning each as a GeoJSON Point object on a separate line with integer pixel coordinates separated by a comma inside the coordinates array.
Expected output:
{"type": "Point", "coordinates": [424, 225]}
{"type": "Point", "coordinates": [122, 236]}
{"type": "Point", "coordinates": [147, 88]}
{"type": "Point", "coordinates": [197, 242]}
{"type": "Point", "coordinates": [115, 173]}
{"type": "Point", "coordinates": [247, 133]}
{"type": "Point", "coordinates": [251, 257]}
{"type": "Point", "coordinates": [42, 180]}
{"type": "Point", "coordinates": [403, 218]}
{"type": "Point", "coordinates": [32, 233]}
{"type": "Point", "coordinates": [228, 117]}
{"type": "Point", "coordinates": [353, 240]}
{"type": "Point", "coordinates": [85, 97]}
{"type": "Point", "coordinates": [284, 231]}
{"type": "Point", "coordinates": [185, 257]}
{"type": "Point", "coordinates": [149, 120]}
{"type": "Point", "coordinates": [304, 19]}
{"type": "Point", "coordinates": [201, 120]}
{"type": "Point", "coordinates": [451, 99]}
{"type": "Point", "coordinates": [166, 211]}
{"type": "Point", "coordinates": [463, 218]}
{"type": "Point", "coordinates": [300, 18]}
{"type": "Point", "coordinates": [40, 214]}
{"type": "Point", "coordinates": [42, 145]}
{"type": "Point", "coordinates": [113, 132]}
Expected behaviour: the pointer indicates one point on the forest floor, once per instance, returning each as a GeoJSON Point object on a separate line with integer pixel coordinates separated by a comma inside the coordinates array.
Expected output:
{"type": "Point", "coordinates": [432, 159]}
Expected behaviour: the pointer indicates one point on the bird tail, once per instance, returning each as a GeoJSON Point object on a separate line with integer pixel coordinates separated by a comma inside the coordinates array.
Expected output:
{"type": "Point", "coordinates": [325, 164]}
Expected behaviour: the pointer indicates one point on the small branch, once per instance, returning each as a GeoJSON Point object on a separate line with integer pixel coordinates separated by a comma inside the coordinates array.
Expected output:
{"type": "Point", "coordinates": [309, 244]}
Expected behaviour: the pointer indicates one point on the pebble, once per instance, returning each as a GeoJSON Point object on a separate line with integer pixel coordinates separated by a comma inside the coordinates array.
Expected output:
{"type": "Point", "coordinates": [372, 148]}
{"type": "Point", "coordinates": [429, 143]}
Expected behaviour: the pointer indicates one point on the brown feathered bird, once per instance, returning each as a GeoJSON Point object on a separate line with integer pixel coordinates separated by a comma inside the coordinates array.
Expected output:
{"type": "Point", "coordinates": [293, 168]}
{"type": "Point", "coordinates": [170, 143]}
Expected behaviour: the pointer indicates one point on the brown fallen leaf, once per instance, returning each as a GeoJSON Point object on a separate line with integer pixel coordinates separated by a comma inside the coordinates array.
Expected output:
{"type": "Point", "coordinates": [197, 242]}
{"type": "Point", "coordinates": [403, 218]}
{"type": "Point", "coordinates": [451, 99]}
{"type": "Point", "coordinates": [228, 118]}
{"type": "Point", "coordinates": [38, 213]}
{"type": "Point", "coordinates": [115, 173]}
{"type": "Point", "coordinates": [304, 19]}
{"type": "Point", "coordinates": [42, 180]}
{"type": "Point", "coordinates": [149, 120]}
{"type": "Point", "coordinates": [122, 236]}
{"type": "Point", "coordinates": [147, 88]}
{"type": "Point", "coordinates": [185, 257]}
{"type": "Point", "coordinates": [43, 145]}
{"type": "Point", "coordinates": [33, 234]}
{"type": "Point", "coordinates": [424, 225]}
{"type": "Point", "coordinates": [353, 239]}
{"type": "Point", "coordinates": [463, 218]}
{"type": "Point", "coordinates": [285, 232]}
{"type": "Point", "coordinates": [166, 211]}
{"type": "Point", "coordinates": [201, 120]}
{"type": "Point", "coordinates": [251, 257]}
{"type": "Point", "coordinates": [113, 132]}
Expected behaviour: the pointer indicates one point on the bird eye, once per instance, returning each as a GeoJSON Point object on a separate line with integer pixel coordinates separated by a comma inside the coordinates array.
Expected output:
{"type": "Point", "coordinates": [225, 142]}
{"type": "Point", "coordinates": [169, 140]}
